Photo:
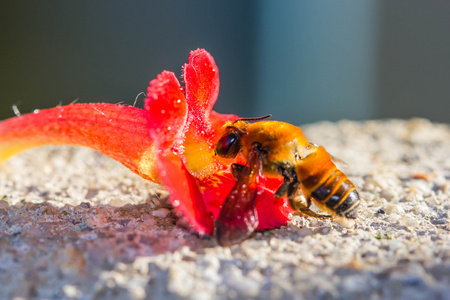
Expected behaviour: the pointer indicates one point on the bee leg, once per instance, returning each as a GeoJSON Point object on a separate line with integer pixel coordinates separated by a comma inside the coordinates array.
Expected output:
{"type": "Point", "coordinates": [293, 186]}
{"type": "Point", "coordinates": [289, 178]}
{"type": "Point", "coordinates": [236, 170]}
{"type": "Point", "coordinates": [292, 190]}
{"type": "Point", "coordinates": [282, 190]}
{"type": "Point", "coordinates": [297, 205]}
{"type": "Point", "coordinates": [300, 207]}
{"type": "Point", "coordinates": [308, 212]}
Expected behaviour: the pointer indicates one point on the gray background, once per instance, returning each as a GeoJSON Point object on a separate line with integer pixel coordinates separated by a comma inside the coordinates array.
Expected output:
{"type": "Point", "coordinates": [327, 60]}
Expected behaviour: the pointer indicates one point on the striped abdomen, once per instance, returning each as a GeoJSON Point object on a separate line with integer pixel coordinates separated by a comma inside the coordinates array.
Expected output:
{"type": "Point", "coordinates": [338, 194]}
{"type": "Point", "coordinates": [327, 185]}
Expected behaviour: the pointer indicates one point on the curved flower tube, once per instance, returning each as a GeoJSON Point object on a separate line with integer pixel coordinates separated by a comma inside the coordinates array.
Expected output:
{"type": "Point", "coordinates": [171, 142]}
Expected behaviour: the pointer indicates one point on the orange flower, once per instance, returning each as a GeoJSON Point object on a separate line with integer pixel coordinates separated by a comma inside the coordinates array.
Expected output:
{"type": "Point", "coordinates": [171, 141]}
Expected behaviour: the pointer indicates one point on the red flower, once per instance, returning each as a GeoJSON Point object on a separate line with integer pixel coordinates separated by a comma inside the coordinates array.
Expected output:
{"type": "Point", "coordinates": [171, 141]}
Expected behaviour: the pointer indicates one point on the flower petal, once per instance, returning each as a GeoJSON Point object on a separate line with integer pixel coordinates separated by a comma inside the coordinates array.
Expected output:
{"type": "Point", "coordinates": [167, 110]}
{"type": "Point", "coordinates": [215, 190]}
{"type": "Point", "coordinates": [184, 192]}
{"type": "Point", "coordinates": [167, 113]}
{"type": "Point", "coordinates": [272, 212]}
{"type": "Point", "coordinates": [117, 131]}
{"type": "Point", "coordinates": [217, 121]}
{"type": "Point", "coordinates": [201, 77]}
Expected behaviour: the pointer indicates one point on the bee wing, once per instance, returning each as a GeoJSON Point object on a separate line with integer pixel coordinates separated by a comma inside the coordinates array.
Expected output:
{"type": "Point", "coordinates": [238, 217]}
{"type": "Point", "coordinates": [338, 161]}
{"type": "Point", "coordinates": [334, 159]}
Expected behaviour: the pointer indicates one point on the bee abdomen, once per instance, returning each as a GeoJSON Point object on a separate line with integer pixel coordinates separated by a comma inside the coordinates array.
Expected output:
{"type": "Point", "coordinates": [349, 207]}
{"type": "Point", "coordinates": [338, 194]}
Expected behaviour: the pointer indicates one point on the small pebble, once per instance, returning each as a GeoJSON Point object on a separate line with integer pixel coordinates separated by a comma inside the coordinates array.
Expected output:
{"type": "Point", "coordinates": [160, 213]}
{"type": "Point", "coordinates": [408, 221]}
{"type": "Point", "coordinates": [393, 209]}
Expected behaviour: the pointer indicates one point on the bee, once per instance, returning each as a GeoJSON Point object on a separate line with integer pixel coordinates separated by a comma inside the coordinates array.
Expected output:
{"type": "Point", "coordinates": [273, 148]}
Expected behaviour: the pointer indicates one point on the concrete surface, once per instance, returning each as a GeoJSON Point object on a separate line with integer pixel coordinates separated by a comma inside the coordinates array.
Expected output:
{"type": "Point", "coordinates": [77, 225]}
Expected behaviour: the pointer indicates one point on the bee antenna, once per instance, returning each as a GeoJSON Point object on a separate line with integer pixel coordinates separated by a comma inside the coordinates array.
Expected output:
{"type": "Point", "coordinates": [254, 119]}
{"type": "Point", "coordinates": [237, 129]}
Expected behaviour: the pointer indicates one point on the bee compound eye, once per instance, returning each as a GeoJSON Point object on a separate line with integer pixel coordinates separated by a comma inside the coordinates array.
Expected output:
{"type": "Point", "coordinates": [228, 146]}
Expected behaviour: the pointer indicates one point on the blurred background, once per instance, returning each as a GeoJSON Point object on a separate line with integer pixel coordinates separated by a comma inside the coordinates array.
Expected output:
{"type": "Point", "coordinates": [301, 61]}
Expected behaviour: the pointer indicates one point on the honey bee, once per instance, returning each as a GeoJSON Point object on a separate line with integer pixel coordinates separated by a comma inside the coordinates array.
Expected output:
{"type": "Point", "coordinates": [273, 148]}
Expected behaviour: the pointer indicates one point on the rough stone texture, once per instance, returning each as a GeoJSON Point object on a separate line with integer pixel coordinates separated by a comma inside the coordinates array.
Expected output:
{"type": "Point", "coordinates": [77, 225]}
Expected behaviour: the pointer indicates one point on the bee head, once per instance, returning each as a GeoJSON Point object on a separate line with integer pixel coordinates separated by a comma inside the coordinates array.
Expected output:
{"type": "Point", "coordinates": [229, 144]}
